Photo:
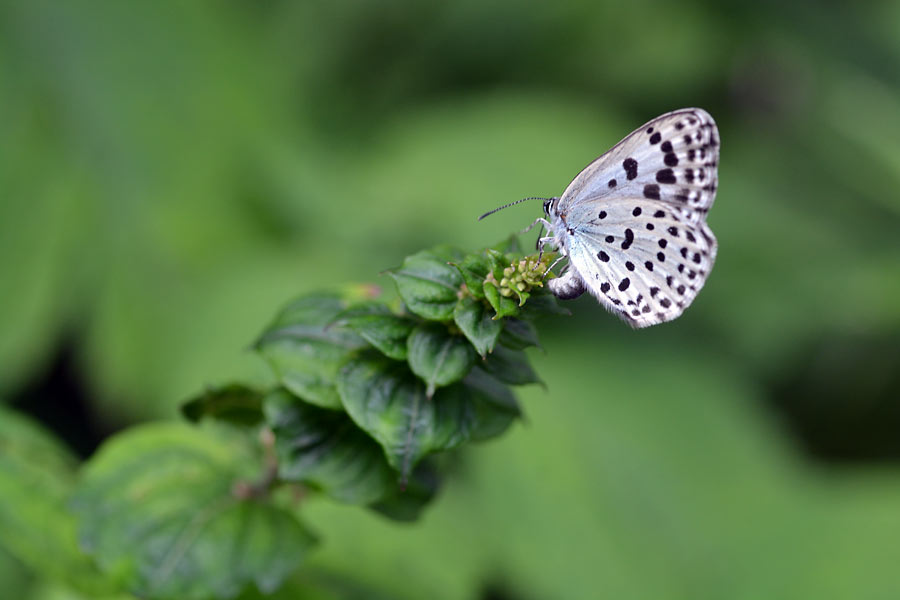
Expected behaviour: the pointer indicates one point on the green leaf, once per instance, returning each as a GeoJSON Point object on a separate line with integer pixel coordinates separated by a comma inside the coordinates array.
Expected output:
{"type": "Point", "coordinates": [306, 354]}
{"type": "Point", "coordinates": [37, 474]}
{"type": "Point", "coordinates": [376, 324]}
{"type": "Point", "coordinates": [503, 306]}
{"type": "Point", "coordinates": [544, 303]}
{"type": "Point", "coordinates": [510, 366]}
{"type": "Point", "coordinates": [388, 402]}
{"type": "Point", "coordinates": [475, 321]}
{"type": "Point", "coordinates": [160, 511]}
{"type": "Point", "coordinates": [438, 357]}
{"type": "Point", "coordinates": [326, 450]}
{"type": "Point", "coordinates": [495, 404]}
{"type": "Point", "coordinates": [428, 285]}
{"type": "Point", "coordinates": [518, 334]}
{"type": "Point", "coordinates": [406, 503]}
{"type": "Point", "coordinates": [234, 403]}
{"type": "Point", "coordinates": [523, 296]}
{"type": "Point", "coordinates": [474, 268]}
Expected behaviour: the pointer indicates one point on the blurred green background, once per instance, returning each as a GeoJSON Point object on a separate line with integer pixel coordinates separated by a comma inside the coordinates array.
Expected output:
{"type": "Point", "coordinates": [172, 172]}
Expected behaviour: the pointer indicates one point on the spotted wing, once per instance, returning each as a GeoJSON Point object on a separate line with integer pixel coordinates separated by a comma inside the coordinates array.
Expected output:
{"type": "Point", "coordinates": [642, 258]}
{"type": "Point", "coordinates": [672, 159]}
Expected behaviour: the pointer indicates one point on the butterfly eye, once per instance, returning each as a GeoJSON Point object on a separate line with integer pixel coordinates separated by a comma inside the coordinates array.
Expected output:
{"type": "Point", "coordinates": [547, 206]}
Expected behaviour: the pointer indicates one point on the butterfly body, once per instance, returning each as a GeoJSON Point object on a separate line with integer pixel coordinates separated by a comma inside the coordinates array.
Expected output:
{"type": "Point", "coordinates": [633, 222]}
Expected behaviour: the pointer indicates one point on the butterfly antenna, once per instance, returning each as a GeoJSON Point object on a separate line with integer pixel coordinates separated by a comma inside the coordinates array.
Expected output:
{"type": "Point", "coordinates": [490, 212]}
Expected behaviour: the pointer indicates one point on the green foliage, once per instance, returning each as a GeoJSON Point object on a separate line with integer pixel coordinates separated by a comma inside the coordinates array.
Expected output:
{"type": "Point", "coordinates": [428, 284]}
{"type": "Point", "coordinates": [170, 172]}
{"type": "Point", "coordinates": [163, 510]}
{"type": "Point", "coordinates": [323, 449]}
{"type": "Point", "coordinates": [410, 389]}
{"type": "Point", "coordinates": [438, 356]}
{"type": "Point", "coordinates": [361, 398]}
{"type": "Point", "coordinates": [475, 321]}
{"type": "Point", "coordinates": [376, 324]}
{"type": "Point", "coordinates": [237, 404]}
{"type": "Point", "coordinates": [37, 475]}
{"type": "Point", "coordinates": [304, 352]}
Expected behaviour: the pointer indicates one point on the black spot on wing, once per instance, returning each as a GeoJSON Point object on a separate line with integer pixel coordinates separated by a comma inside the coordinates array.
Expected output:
{"type": "Point", "coordinates": [651, 190]}
{"type": "Point", "coordinates": [631, 168]}
{"type": "Point", "coordinates": [665, 176]}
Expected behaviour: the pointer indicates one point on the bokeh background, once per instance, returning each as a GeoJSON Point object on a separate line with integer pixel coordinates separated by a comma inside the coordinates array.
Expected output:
{"type": "Point", "coordinates": [172, 172]}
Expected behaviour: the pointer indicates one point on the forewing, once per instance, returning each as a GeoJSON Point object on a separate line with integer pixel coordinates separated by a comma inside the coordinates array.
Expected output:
{"type": "Point", "coordinates": [642, 258]}
{"type": "Point", "coordinates": [672, 159]}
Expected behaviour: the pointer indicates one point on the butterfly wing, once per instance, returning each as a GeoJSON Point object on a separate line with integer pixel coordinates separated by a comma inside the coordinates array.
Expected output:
{"type": "Point", "coordinates": [643, 260]}
{"type": "Point", "coordinates": [635, 218]}
{"type": "Point", "coordinates": [673, 159]}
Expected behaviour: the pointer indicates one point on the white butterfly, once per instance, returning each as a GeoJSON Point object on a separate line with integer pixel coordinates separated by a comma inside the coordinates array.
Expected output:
{"type": "Point", "coordinates": [633, 222]}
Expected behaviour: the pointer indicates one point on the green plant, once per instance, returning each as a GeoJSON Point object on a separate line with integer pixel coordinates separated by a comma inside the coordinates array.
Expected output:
{"type": "Point", "coordinates": [366, 399]}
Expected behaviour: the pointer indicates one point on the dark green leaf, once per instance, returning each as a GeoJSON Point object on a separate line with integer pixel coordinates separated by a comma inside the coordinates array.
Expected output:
{"type": "Point", "coordinates": [37, 474]}
{"type": "Point", "coordinates": [543, 304]}
{"type": "Point", "coordinates": [375, 323]}
{"type": "Point", "coordinates": [497, 260]}
{"type": "Point", "coordinates": [503, 306]}
{"type": "Point", "coordinates": [518, 334]}
{"type": "Point", "coordinates": [438, 357]}
{"type": "Point", "coordinates": [474, 319]}
{"type": "Point", "coordinates": [159, 511]}
{"type": "Point", "coordinates": [510, 366]}
{"type": "Point", "coordinates": [495, 404]}
{"type": "Point", "coordinates": [428, 285]}
{"type": "Point", "coordinates": [306, 354]}
{"type": "Point", "coordinates": [326, 450]}
{"type": "Point", "coordinates": [386, 400]}
{"type": "Point", "coordinates": [474, 268]}
{"type": "Point", "coordinates": [406, 503]}
{"type": "Point", "coordinates": [234, 403]}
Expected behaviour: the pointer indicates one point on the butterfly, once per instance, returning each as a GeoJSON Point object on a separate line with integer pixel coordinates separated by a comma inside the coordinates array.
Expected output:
{"type": "Point", "coordinates": [633, 222]}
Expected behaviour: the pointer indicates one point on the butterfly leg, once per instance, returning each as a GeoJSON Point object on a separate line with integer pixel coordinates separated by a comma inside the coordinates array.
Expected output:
{"type": "Point", "coordinates": [553, 264]}
{"type": "Point", "coordinates": [540, 220]}
{"type": "Point", "coordinates": [537, 242]}
{"type": "Point", "coordinates": [543, 242]}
